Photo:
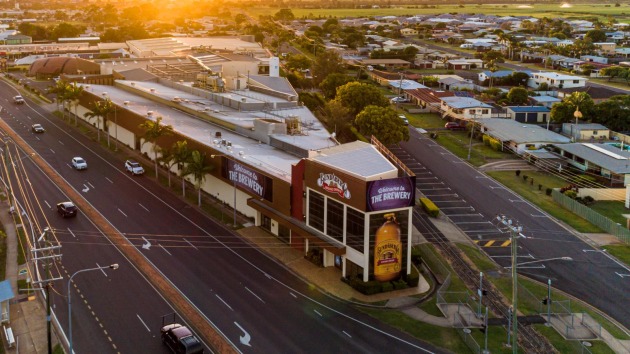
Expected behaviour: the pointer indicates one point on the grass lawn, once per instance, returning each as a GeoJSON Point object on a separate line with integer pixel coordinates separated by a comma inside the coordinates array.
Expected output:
{"type": "Point", "coordinates": [425, 120]}
{"type": "Point", "coordinates": [621, 252]}
{"type": "Point", "coordinates": [458, 143]}
{"type": "Point", "coordinates": [611, 209]}
{"type": "Point", "coordinates": [478, 258]}
{"type": "Point", "coordinates": [538, 197]}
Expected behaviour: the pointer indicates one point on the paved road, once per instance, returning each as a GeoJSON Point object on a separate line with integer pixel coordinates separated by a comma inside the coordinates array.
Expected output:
{"type": "Point", "coordinates": [256, 303]}
{"type": "Point", "coordinates": [472, 200]}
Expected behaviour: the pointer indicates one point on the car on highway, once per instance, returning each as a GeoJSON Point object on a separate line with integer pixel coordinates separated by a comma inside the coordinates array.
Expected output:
{"type": "Point", "coordinates": [454, 126]}
{"type": "Point", "coordinates": [67, 209]}
{"type": "Point", "coordinates": [133, 167]}
{"type": "Point", "coordinates": [404, 119]}
{"type": "Point", "coordinates": [78, 163]}
{"type": "Point", "coordinates": [180, 339]}
{"type": "Point", "coordinates": [37, 128]}
{"type": "Point", "coordinates": [18, 99]}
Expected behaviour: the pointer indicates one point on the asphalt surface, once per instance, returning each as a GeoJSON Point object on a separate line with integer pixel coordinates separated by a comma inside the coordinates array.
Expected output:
{"type": "Point", "coordinates": [255, 302]}
{"type": "Point", "coordinates": [472, 201]}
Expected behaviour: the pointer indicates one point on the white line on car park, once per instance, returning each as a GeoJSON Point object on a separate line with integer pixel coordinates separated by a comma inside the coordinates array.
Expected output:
{"type": "Point", "coordinates": [29, 117]}
{"type": "Point", "coordinates": [195, 247]}
{"type": "Point", "coordinates": [169, 253]}
{"type": "Point", "coordinates": [144, 324]}
{"type": "Point", "coordinates": [51, 150]}
{"type": "Point", "coordinates": [292, 294]}
{"type": "Point", "coordinates": [45, 201]}
{"type": "Point", "coordinates": [473, 222]}
{"type": "Point", "coordinates": [109, 180]}
{"type": "Point", "coordinates": [91, 185]}
{"type": "Point", "coordinates": [346, 333]}
{"type": "Point", "coordinates": [317, 312]}
{"type": "Point", "coordinates": [71, 233]}
{"type": "Point", "coordinates": [122, 212]}
{"type": "Point", "coordinates": [60, 142]}
{"type": "Point", "coordinates": [99, 266]}
{"type": "Point", "coordinates": [251, 292]}
{"type": "Point", "coordinates": [225, 303]}
{"type": "Point", "coordinates": [143, 207]}
{"type": "Point", "coordinates": [538, 216]}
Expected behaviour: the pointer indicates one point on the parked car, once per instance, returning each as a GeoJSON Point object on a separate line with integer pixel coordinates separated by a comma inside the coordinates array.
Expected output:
{"type": "Point", "coordinates": [180, 339]}
{"type": "Point", "coordinates": [37, 128]}
{"type": "Point", "coordinates": [67, 209]}
{"type": "Point", "coordinates": [133, 167]}
{"type": "Point", "coordinates": [404, 119]}
{"type": "Point", "coordinates": [399, 100]}
{"type": "Point", "coordinates": [18, 99]}
{"type": "Point", "coordinates": [79, 163]}
{"type": "Point", "coordinates": [454, 126]}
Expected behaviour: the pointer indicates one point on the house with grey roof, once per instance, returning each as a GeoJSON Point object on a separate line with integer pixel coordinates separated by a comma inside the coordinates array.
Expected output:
{"type": "Point", "coordinates": [519, 137]}
{"type": "Point", "coordinates": [464, 108]}
{"type": "Point", "coordinates": [604, 160]}
{"type": "Point", "coordinates": [587, 131]}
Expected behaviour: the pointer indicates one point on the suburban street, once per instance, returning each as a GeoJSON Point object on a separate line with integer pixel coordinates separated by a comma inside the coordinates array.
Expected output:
{"type": "Point", "coordinates": [255, 302]}
{"type": "Point", "coordinates": [471, 200]}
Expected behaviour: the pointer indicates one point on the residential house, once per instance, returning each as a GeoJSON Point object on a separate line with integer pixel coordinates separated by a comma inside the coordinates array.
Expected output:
{"type": "Point", "coordinates": [606, 48]}
{"type": "Point", "coordinates": [387, 63]}
{"type": "Point", "coordinates": [464, 108]}
{"type": "Point", "coordinates": [555, 80]}
{"type": "Point", "coordinates": [486, 75]}
{"type": "Point", "coordinates": [529, 114]}
{"type": "Point", "coordinates": [586, 131]}
{"type": "Point", "coordinates": [426, 99]}
{"type": "Point", "coordinates": [547, 101]}
{"type": "Point", "coordinates": [519, 137]}
{"type": "Point", "coordinates": [594, 59]}
{"type": "Point", "coordinates": [450, 84]}
{"type": "Point", "coordinates": [409, 32]}
{"type": "Point", "coordinates": [603, 160]}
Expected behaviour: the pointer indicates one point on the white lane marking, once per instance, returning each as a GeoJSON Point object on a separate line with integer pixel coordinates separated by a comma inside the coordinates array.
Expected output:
{"type": "Point", "coordinates": [60, 142]}
{"type": "Point", "coordinates": [528, 256]}
{"type": "Point", "coordinates": [475, 215]}
{"type": "Point", "coordinates": [29, 117]}
{"type": "Point", "coordinates": [496, 187]}
{"type": "Point", "coordinates": [102, 270]}
{"type": "Point", "coordinates": [474, 222]}
{"type": "Point", "coordinates": [51, 150]}
{"type": "Point", "coordinates": [143, 207]}
{"type": "Point", "coordinates": [622, 275]}
{"type": "Point", "coordinates": [245, 338]}
{"type": "Point", "coordinates": [466, 207]}
{"type": "Point", "coordinates": [91, 185]}
{"type": "Point", "coordinates": [45, 201]}
{"type": "Point", "coordinates": [122, 212]}
{"type": "Point", "coordinates": [144, 324]}
{"type": "Point", "coordinates": [169, 253]}
{"type": "Point", "coordinates": [267, 275]}
{"type": "Point", "coordinates": [195, 247]}
{"type": "Point", "coordinates": [346, 333]}
{"type": "Point", "coordinates": [538, 216]}
{"type": "Point", "coordinates": [317, 312]}
{"type": "Point", "coordinates": [109, 180]}
{"type": "Point", "coordinates": [36, 137]}
{"type": "Point", "coordinates": [251, 292]}
{"type": "Point", "coordinates": [292, 294]}
{"type": "Point", "coordinates": [71, 233]}
{"type": "Point", "coordinates": [86, 189]}
{"type": "Point", "coordinates": [225, 303]}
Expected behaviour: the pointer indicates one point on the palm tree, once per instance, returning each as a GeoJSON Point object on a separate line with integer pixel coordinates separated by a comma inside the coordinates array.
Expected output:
{"type": "Point", "coordinates": [181, 156]}
{"type": "Point", "coordinates": [73, 94]}
{"type": "Point", "coordinates": [153, 132]}
{"type": "Point", "coordinates": [199, 169]}
{"type": "Point", "coordinates": [99, 109]}
{"type": "Point", "coordinates": [60, 90]}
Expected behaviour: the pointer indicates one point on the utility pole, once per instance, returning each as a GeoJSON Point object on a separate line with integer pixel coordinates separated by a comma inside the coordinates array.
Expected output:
{"type": "Point", "coordinates": [48, 253]}
{"type": "Point", "coordinates": [472, 132]}
{"type": "Point", "coordinates": [480, 293]}
{"type": "Point", "coordinates": [515, 232]}
{"type": "Point", "coordinates": [549, 302]}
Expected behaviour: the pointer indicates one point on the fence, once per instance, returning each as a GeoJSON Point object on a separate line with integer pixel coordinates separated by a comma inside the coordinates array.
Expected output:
{"type": "Point", "coordinates": [613, 228]}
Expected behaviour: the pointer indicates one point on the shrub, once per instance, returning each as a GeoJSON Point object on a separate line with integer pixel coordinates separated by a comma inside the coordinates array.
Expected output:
{"type": "Point", "coordinates": [525, 178]}
{"type": "Point", "coordinates": [368, 288]}
{"type": "Point", "coordinates": [430, 207]}
{"type": "Point", "coordinates": [539, 187]}
{"type": "Point", "coordinates": [486, 140]}
{"type": "Point", "coordinates": [416, 256]}
{"type": "Point", "coordinates": [387, 286]}
{"type": "Point", "coordinates": [531, 181]}
{"type": "Point", "coordinates": [548, 191]}
{"type": "Point", "coordinates": [517, 172]}
{"type": "Point", "coordinates": [399, 284]}
{"type": "Point", "coordinates": [571, 194]}
{"type": "Point", "coordinates": [412, 278]}
{"type": "Point", "coordinates": [588, 200]}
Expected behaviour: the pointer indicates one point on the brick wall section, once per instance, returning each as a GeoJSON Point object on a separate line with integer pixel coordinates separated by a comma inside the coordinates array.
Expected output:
{"type": "Point", "coordinates": [184, 308]}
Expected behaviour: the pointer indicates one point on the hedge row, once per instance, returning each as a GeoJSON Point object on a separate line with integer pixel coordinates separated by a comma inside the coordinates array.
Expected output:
{"type": "Point", "coordinates": [430, 207]}
{"type": "Point", "coordinates": [374, 287]}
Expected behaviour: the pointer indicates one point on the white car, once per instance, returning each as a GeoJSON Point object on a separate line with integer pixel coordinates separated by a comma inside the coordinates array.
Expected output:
{"type": "Point", "coordinates": [399, 100]}
{"type": "Point", "coordinates": [133, 167]}
{"type": "Point", "coordinates": [79, 163]}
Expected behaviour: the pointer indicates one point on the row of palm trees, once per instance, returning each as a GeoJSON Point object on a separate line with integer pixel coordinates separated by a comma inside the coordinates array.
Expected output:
{"type": "Point", "coordinates": [190, 162]}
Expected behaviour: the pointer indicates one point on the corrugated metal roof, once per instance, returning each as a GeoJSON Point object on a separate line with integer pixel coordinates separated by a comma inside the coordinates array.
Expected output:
{"type": "Point", "coordinates": [510, 130]}
{"type": "Point", "coordinates": [357, 158]}
{"type": "Point", "coordinates": [602, 159]}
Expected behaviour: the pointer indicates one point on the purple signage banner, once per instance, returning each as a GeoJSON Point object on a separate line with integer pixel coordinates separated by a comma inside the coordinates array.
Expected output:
{"type": "Point", "coordinates": [247, 179]}
{"type": "Point", "coordinates": [385, 194]}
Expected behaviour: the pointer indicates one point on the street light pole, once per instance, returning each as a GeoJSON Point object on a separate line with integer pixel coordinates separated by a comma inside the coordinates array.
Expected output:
{"type": "Point", "coordinates": [112, 266]}
{"type": "Point", "coordinates": [234, 181]}
{"type": "Point", "coordinates": [515, 232]}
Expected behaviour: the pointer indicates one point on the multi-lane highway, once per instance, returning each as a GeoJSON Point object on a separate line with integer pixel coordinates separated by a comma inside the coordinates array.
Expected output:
{"type": "Point", "coordinates": [254, 302]}
{"type": "Point", "coordinates": [472, 200]}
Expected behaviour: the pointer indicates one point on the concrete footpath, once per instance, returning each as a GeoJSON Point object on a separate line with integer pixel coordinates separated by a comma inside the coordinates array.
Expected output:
{"type": "Point", "coordinates": [27, 311]}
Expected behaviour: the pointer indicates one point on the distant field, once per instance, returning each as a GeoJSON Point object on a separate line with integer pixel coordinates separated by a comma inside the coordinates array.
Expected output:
{"type": "Point", "coordinates": [577, 11]}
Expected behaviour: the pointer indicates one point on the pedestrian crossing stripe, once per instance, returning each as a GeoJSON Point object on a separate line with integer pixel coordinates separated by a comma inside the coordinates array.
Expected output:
{"type": "Point", "coordinates": [493, 243]}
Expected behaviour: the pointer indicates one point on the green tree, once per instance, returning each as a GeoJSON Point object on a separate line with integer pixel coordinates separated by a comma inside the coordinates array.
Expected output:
{"type": "Point", "coordinates": [284, 15]}
{"type": "Point", "coordinates": [98, 110]}
{"type": "Point", "coordinates": [337, 117]}
{"type": "Point", "coordinates": [298, 62]}
{"type": "Point", "coordinates": [564, 112]}
{"type": "Point", "coordinates": [73, 94]}
{"type": "Point", "coordinates": [153, 131]}
{"type": "Point", "coordinates": [493, 55]}
{"type": "Point", "coordinates": [60, 90]}
{"type": "Point", "coordinates": [65, 30]}
{"type": "Point", "coordinates": [181, 156]}
{"type": "Point", "coordinates": [383, 123]}
{"type": "Point", "coordinates": [327, 62]}
{"type": "Point", "coordinates": [356, 96]}
{"type": "Point", "coordinates": [312, 100]}
{"type": "Point", "coordinates": [199, 168]}
{"type": "Point", "coordinates": [596, 35]}
{"type": "Point", "coordinates": [332, 82]}
{"type": "Point", "coordinates": [518, 95]}
{"type": "Point", "coordinates": [614, 113]}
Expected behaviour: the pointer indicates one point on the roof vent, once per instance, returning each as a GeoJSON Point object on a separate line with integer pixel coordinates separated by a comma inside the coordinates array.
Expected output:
{"type": "Point", "coordinates": [150, 113]}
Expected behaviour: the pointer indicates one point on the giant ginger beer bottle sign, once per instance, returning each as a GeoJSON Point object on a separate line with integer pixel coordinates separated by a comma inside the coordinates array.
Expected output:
{"type": "Point", "coordinates": [387, 250]}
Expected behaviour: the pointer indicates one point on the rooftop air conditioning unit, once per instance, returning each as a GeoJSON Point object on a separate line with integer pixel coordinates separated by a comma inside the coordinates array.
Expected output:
{"type": "Point", "coordinates": [152, 89]}
{"type": "Point", "coordinates": [126, 103]}
{"type": "Point", "coordinates": [217, 134]}
{"type": "Point", "coordinates": [149, 113]}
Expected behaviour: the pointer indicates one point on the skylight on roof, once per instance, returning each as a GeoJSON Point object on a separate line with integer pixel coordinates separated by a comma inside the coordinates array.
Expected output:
{"type": "Point", "coordinates": [605, 152]}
